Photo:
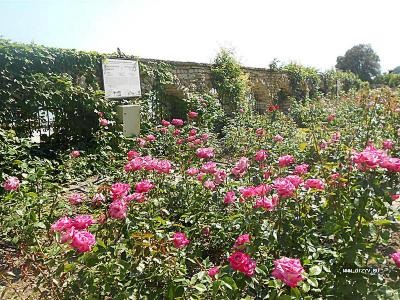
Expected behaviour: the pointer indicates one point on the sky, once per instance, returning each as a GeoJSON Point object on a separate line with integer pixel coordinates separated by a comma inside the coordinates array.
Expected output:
{"type": "Point", "coordinates": [310, 32]}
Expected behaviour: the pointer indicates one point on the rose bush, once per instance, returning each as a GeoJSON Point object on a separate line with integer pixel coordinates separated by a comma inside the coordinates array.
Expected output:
{"type": "Point", "coordinates": [184, 214]}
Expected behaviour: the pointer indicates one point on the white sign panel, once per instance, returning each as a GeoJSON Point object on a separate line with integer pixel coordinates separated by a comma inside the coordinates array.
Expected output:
{"type": "Point", "coordinates": [121, 78]}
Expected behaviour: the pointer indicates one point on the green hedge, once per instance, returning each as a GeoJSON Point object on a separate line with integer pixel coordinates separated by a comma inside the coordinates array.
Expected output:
{"type": "Point", "coordinates": [36, 79]}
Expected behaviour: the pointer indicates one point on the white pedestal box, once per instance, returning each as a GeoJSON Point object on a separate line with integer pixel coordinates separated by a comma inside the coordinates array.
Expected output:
{"type": "Point", "coordinates": [129, 117]}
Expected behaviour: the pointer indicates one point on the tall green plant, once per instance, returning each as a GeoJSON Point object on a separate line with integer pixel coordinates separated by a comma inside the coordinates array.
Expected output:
{"type": "Point", "coordinates": [231, 83]}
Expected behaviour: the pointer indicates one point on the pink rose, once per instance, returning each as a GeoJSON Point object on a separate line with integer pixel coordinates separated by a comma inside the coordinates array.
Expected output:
{"type": "Point", "coordinates": [314, 184]}
{"type": "Point", "coordinates": [209, 167]}
{"type": "Point", "coordinates": [396, 258]}
{"type": "Point", "coordinates": [177, 122]}
{"type": "Point", "coordinates": [387, 144]}
{"type": "Point", "coordinates": [248, 192]}
{"type": "Point", "coordinates": [177, 132]}
{"type": "Point", "coordinates": [262, 189]}
{"type": "Point", "coordinates": [143, 186]}
{"type": "Point", "coordinates": [369, 158]}
{"type": "Point", "coordinates": [267, 203]}
{"type": "Point", "coordinates": [61, 224]}
{"type": "Point", "coordinates": [209, 184]}
{"type": "Point", "coordinates": [284, 187]}
{"type": "Point", "coordinates": [241, 167]}
{"type": "Point", "coordinates": [119, 190]}
{"type": "Point", "coordinates": [204, 136]}
{"type": "Point", "coordinates": [205, 152]}
{"type": "Point", "coordinates": [285, 160]}
{"type": "Point", "coordinates": [201, 176]}
{"type": "Point", "coordinates": [261, 155]}
{"type": "Point", "coordinates": [213, 271]}
{"type": "Point", "coordinates": [75, 199]}
{"type": "Point", "coordinates": [162, 166]}
{"type": "Point", "coordinates": [230, 197]}
{"type": "Point", "coordinates": [104, 122]}
{"type": "Point", "coordinates": [220, 176]}
{"type": "Point", "coordinates": [180, 240]}
{"type": "Point", "coordinates": [278, 138]}
{"type": "Point", "coordinates": [323, 145]}
{"type": "Point", "coordinates": [83, 221]}
{"type": "Point", "coordinates": [295, 180]}
{"type": "Point", "coordinates": [335, 137]}
{"type": "Point", "coordinates": [242, 262]}
{"type": "Point", "coordinates": [330, 118]}
{"type": "Point", "coordinates": [83, 241]}
{"type": "Point", "coordinates": [118, 209]}
{"type": "Point", "coordinates": [395, 197]}
{"type": "Point", "coordinates": [335, 176]}
{"type": "Point", "coordinates": [192, 171]}
{"type": "Point", "coordinates": [150, 138]}
{"type": "Point", "coordinates": [190, 138]}
{"type": "Point", "coordinates": [289, 270]}
{"type": "Point", "coordinates": [165, 123]}
{"type": "Point", "coordinates": [242, 240]}
{"type": "Point", "coordinates": [138, 197]}
{"type": "Point", "coordinates": [193, 115]}
{"type": "Point", "coordinates": [192, 132]}
{"type": "Point", "coordinates": [132, 154]}
{"type": "Point", "coordinates": [301, 169]}
{"type": "Point", "coordinates": [67, 235]}
{"type": "Point", "coordinates": [141, 142]}
{"type": "Point", "coordinates": [163, 130]}
{"type": "Point", "coordinates": [197, 142]}
{"type": "Point", "coordinates": [75, 154]}
{"type": "Point", "coordinates": [391, 164]}
{"type": "Point", "coordinates": [11, 184]}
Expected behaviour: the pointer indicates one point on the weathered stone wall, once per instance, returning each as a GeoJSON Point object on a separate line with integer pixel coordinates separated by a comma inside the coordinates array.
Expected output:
{"type": "Point", "coordinates": [191, 76]}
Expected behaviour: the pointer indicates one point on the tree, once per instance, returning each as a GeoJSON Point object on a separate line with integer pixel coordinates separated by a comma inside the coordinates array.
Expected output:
{"type": "Point", "coordinates": [361, 60]}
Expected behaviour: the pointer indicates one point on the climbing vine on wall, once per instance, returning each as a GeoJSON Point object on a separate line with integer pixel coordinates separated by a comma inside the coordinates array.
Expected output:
{"type": "Point", "coordinates": [155, 76]}
{"type": "Point", "coordinates": [304, 81]}
{"type": "Point", "coordinates": [231, 83]}
{"type": "Point", "coordinates": [38, 83]}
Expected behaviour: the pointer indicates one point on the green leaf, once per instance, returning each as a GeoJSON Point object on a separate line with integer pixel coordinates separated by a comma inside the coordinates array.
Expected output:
{"type": "Point", "coordinates": [229, 282]}
{"type": "Point", "coordinates": [315, 270]}
{"type": "Point", "coordinates": [100, 243]}
{"type": "Point", "coordinates": [40, 225]}
{"type": "Point", "coordinates": [295, 292]}
{"type": "Point", "coordinates": [171, 292]}
{"type": "Point", "coordinates": [313, 282]}
{"type": "Point", "coordinates": [68, 267]}
{"type": "Point", "coordinates": [303, 146]}
{"type": "Point", "coordinates": [215, 286]}
{"type": "Point", "coordinates": [284, 297]}
{"type": "Point", "coordinates": [200, 287]}
{"type": "Point", "coordinates": [305, 286]}
{"type": "Point", "coordinates": [382, 222]}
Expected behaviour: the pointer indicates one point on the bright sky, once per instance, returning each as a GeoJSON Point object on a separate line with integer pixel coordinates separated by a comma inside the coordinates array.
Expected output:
{"type": "Point", "coordinates": [311, 32]}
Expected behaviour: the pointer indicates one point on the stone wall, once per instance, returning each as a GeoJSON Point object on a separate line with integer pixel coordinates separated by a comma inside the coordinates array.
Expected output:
{"type": "Point", "coordinates": [191, 76]}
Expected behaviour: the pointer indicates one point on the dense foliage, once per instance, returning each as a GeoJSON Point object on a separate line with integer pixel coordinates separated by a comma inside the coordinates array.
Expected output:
{"type": "Point", "coordinates": [281, 208]}
{"type": "Point", "coordinates": [304, 81]}
{"type": "Point", "coordinates": [50, 89]}
{"type": "Point", "coordinates": [361, 60]}
{"type": "Point", "coordinates": [391, 79]}
{"type": "Point", "coordinates": [230, 81]}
